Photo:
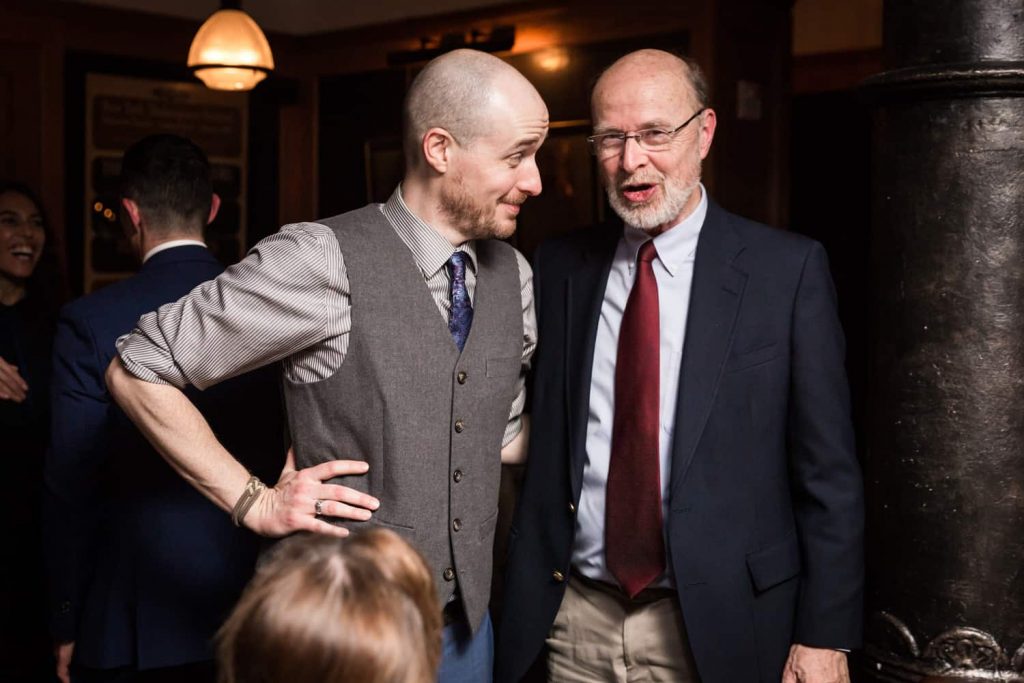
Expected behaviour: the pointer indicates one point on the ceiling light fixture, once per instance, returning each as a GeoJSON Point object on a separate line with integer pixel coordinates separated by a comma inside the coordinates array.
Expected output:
{"type": "Point", "coordinates": [230, 51]}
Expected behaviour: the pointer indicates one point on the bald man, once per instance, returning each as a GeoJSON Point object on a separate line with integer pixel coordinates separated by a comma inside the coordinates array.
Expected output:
{"type": "Point", "coordinates": [692, 506]}
{"type": "Point", "coordinates": [405, 330]}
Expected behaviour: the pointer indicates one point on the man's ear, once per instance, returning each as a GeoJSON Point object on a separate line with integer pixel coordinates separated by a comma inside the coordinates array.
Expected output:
{"type": "Point", "coordinates": [214, 207]}
{"type": "Point", "coordinates": [708, 122]}
{"type": "Point", "coordinates": [437, 149]}
{"type": "Point", "coordinates": [131, 211]}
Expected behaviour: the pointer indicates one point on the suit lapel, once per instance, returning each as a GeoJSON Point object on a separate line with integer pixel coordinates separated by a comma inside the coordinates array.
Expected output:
{"type": "Point", "coordinates": [584, 293]}
{"type": "Point", "coordinates": [715, 298]}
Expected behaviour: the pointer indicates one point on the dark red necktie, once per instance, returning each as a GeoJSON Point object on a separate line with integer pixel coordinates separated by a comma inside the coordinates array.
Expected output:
{"type": "Point", "coordinates": [634, 546]}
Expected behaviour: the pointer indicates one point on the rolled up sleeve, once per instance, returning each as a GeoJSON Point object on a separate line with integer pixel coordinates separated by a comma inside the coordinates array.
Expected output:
{"type": "Point", "coordinates": [274, 303]}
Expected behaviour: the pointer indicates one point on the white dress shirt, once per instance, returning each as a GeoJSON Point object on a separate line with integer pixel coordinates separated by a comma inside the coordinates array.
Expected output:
{"type": "Point", "coordinates": [673, 270]}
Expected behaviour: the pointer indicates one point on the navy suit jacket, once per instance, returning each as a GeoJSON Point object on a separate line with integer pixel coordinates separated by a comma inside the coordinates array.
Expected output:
{"type": "Point", "coordinates": [766, 512]}
{"type": "Point", "coordinates": [142, 568]}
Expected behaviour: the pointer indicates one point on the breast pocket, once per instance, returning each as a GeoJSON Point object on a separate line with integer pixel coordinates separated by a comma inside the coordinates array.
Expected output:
{"type": "Point", "coordinates": [745, 360]}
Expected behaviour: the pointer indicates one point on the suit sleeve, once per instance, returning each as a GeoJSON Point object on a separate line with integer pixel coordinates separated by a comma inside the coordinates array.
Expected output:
{"type": "Point", "coordinates": [80, 405]}
{"type": "Point", "coordinates": [827, 485]}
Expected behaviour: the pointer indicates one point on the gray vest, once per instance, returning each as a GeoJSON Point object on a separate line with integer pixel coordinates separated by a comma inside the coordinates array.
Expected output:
{"type": "Point", "coordinates": [427, 419]}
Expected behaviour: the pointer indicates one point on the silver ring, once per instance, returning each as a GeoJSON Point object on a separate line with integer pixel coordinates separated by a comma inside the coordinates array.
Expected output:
{"type": "Point", "coordinates": [318, 507]}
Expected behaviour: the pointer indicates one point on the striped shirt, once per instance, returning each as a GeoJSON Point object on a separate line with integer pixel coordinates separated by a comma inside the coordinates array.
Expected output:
{"type": "Point", "coordinates": [288, 300]}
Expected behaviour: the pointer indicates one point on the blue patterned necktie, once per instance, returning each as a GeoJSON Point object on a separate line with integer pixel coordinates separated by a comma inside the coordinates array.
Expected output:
{"type": "Point", "coordinates": [462, 309]}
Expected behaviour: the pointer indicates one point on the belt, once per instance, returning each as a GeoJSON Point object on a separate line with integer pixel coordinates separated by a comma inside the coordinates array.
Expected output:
{"type": "Point", "coordinates": [452, 612]}
{"type": "Point", "coordinates": [647, 595]}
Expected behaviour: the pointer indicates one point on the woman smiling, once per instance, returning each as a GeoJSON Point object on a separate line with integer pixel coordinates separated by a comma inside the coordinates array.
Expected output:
{"type": "Point", "coordinates": [27, 314]}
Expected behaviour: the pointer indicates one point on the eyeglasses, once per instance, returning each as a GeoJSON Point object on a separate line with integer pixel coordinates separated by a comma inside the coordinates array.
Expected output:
{"type": "Point", "coordinates": [649, 139]}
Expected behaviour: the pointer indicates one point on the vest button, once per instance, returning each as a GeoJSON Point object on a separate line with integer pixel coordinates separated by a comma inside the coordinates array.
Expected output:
{"type": "Point", "coordinates": [449, 574]}
{"type": "Point", "coordinates": [572, 509]}
{"type": "Point", "coordinates": [460, 426]}
{"type": "Point", "coordinates": [457, 524]}
{"type": "Point", "coordinates": [457, 476]}
{"type": "Point", "coordinates": [558, 576]}
{"type": "Point", "coordinates": [462, 376]}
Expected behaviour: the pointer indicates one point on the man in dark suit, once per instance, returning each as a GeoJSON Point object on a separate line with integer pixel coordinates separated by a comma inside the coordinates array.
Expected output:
{"type": "Point", "coordinates": [692, 507]}
{"type": "Point", "coordinates": [142, 568]}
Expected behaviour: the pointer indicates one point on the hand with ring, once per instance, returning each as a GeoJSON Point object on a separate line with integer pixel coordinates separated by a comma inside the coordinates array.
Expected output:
{"type": "Point", "coordinates": [285, 508]}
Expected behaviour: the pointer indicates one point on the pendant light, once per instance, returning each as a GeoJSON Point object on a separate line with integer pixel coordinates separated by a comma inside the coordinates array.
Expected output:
{"type": "Point", "coordinates": [230, 51]}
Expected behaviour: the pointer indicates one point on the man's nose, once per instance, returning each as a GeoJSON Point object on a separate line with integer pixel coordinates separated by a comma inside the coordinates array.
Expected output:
{"type": "Point", "coordinates": [633, 156]}
{"type": "Point", "coordinates": [530, 183]}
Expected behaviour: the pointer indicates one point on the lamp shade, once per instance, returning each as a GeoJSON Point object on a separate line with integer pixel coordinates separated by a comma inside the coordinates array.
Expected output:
{"type": "Point", "coordinates": [230, 52]}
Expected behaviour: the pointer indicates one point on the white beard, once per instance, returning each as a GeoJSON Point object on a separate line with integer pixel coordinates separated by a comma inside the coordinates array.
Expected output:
{"type": "Point", "coordinates": [664, 210]}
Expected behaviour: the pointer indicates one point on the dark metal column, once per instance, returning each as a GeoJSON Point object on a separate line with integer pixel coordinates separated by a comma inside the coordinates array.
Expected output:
{"type": "Point", "coordinates": [945, 463]}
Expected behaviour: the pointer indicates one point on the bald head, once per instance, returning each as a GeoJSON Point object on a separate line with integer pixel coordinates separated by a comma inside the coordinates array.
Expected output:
{"type": "Point", "coordinates": [656, 65]}
{"type": "Point", "coordinates": [458, 92]}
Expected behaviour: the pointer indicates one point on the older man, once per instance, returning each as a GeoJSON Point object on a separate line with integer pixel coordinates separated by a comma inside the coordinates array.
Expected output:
{"type": "Point", "coordinates": [405, 332]}
{"type": "Point", "coordinates": [692, 506]}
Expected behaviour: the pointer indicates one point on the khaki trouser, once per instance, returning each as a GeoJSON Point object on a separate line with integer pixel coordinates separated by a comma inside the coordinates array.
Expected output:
{"type": "Point", "coordinates": [600, 634]}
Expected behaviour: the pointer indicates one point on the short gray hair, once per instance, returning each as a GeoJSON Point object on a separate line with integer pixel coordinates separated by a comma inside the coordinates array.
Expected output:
{"type": "Point", "coordinates": [698, 81]}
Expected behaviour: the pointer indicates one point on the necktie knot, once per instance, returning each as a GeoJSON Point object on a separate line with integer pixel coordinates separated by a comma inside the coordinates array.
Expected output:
{"type": "Point", "coordinates": [647, 252]}
{"type": "Point", "coordinates": [458, 264]}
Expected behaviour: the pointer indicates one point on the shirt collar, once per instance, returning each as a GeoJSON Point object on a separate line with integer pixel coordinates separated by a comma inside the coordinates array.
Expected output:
{"type": "Point", "coordinates": [170, 245]}
{"type": "Point", "coordinates": [429, 249]}
{"type": "Point", "coordinates": [675, 246]}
